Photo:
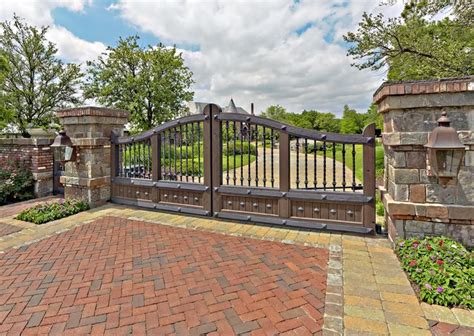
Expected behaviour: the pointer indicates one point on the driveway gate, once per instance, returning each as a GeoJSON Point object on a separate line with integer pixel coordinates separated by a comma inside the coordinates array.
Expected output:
{"type": "Point", "coordinates": [244, 167]}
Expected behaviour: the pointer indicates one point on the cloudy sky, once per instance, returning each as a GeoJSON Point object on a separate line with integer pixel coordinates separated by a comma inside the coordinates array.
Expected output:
{"type": "Point", "coordinates": [287, 52]}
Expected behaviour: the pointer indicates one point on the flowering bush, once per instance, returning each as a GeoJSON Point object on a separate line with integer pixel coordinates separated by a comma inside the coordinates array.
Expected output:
{"type": "Point", "coordinates": [441, 269]}
{"type": "Point", "coordinates": [47, 212]}
{"type": "Point", "coordinates": [16, 181]}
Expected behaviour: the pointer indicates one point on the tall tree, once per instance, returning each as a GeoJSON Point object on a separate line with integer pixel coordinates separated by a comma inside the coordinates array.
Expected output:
{"type": "Point", "coordinates": [275, 112]}
{"type": "Point", "coordinates": [37, 82]}
{"type": "Point", "coordinates": [153, 82]}
{"type": "Point", "coordinates": [352, 122]}
{"type": "Point", "coordinates": [430, 39]}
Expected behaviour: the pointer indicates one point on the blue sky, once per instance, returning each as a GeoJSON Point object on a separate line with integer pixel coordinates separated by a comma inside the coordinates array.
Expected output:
{"type": "Point", "coordinates": [267, 52]}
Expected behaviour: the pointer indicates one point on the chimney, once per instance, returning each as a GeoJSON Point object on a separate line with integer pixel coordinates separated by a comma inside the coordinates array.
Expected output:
{"type": "Point", "coordinates": [251, 109]}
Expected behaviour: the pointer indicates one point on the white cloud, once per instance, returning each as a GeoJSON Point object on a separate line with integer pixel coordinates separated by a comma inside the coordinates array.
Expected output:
{"type": "Point", "coordinates": [249, 49]}
{"type": "Point", "coordinates": [38, 12]}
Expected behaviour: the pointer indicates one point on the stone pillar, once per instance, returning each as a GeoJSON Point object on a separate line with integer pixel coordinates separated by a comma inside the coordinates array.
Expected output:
{"type": "Point", "coordinates": [90, 128]}
{"type": "Point", "coordinates": [415, 203]}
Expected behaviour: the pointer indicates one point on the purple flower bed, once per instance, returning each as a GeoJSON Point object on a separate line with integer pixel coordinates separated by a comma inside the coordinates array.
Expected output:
{"type": "Point", "coordinates": [441, 270]}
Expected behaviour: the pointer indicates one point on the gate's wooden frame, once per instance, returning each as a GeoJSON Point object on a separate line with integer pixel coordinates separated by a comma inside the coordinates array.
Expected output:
{"type": "Point", "coordinates": [345, 211]}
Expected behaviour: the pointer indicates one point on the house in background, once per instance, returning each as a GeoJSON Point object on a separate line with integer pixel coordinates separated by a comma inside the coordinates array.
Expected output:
{"type": "Point", "coordinates": [198, 108]}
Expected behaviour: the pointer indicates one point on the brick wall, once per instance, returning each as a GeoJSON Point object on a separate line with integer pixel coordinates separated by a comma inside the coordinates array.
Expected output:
{"type": "Point", "coordinates": [416, 203]}
{"type": "Point", "coordinates": [37, 153]}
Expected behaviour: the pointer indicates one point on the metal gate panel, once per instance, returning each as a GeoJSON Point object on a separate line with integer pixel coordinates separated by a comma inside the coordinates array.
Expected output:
{"type": "Point", "coordinates": [249, 169]}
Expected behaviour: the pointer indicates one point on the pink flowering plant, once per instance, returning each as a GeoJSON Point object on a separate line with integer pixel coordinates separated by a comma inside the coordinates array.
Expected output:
{"type": "Point", "coordinates": [16, 181]}
{"type": "Point", "coordinates": [46, 212]}
{"type": "Point", "coordinates": [441, 270]}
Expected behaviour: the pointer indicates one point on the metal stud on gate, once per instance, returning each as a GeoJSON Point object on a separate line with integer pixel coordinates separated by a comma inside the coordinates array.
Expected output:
{"type": "Point", "coordinates": [242, 204]}
{"type": "Point", "coordinates": [300, 209]}
{"type": "Point", "coordinates": [316, 209]}
{"type": "Point", "coordinates": [333, 211]}
{"type": "Point", "coordinates": [269, 206]}
{"type": "Point", "coordinates": [255, 205]}
{"type": "Point", "coordinates": [229, 202]}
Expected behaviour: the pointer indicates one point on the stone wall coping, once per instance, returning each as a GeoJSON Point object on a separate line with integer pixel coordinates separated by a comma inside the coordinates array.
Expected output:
{"type": "Point", "coordinates": [85, 181]}
{"type": "Point", "coordinates": [441, 85]}
{"type": "Point", "coordinates": [92, 111]}
{"type": "Point", "coordinates": [26, 141]}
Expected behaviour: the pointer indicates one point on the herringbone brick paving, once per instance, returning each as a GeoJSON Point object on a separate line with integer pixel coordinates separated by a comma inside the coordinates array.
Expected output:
{"type": "Point", "coordinates": [119, 276]}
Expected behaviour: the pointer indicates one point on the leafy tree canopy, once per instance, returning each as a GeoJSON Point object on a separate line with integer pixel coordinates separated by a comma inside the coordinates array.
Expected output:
{"type": "Point", "coordinates": [35, 82]}
{"type": "Point", "coordinates": [431, 39]}
{"type": "Point", "coordinates": [152, 83]}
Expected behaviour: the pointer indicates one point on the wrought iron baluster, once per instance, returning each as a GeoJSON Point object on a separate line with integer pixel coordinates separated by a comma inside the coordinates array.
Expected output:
{"type": "Point", "coordinates": [256, 157]}
{"type": "Point", "coordinates": [324, 165]}
{"type": "Point", "coordinates": [306, 163]}
{"type": "Point", "coordinates": [343, 167]}
{"type": "Point", "coordinates": [315, 159]}
{"type": "Point", "coordinates": [192, 152]}
{"type": "Point", "coordinates": [227, 178]}
{"type": "Point", "coordinates": [134, 160]}
{"type": "Point", "coordinates": [171, 158]}
{"type": "Point", "coordinates": [334, 166]}
{"type": "Point", "coordinates": [297, 163]}
{"type": "Point", "coordinates": [175, 175]}
{"type": "Point", "coordinates": [120, 160]}
{"type": "Point", "coordinates": [235, 166]}
{"type": "Point", "coordinates": [180, 138]}
{"type": "Point", "coordinates": [272, 177]}
{"type": "Point", "coordinates": [241, 155]}
{"type": "Point", "coordinates": [186, 142]}
{"type": "Point", "coordinates": [163, 155]}
{"type": "Point", "coordinates": [353, 167]}
{"type": "Point", "coordinates": [249, 136]}
{"type": "Point", "coordinates": [199, 151]}
{"type": "Point", "coordinates": [264, 141]}
{"type": "Point", "coordinates": [139, 159]}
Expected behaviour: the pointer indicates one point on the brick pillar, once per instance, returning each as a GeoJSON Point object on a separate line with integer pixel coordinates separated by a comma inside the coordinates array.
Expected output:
{"type": "Point", "coordinates": [90, 128]}
{"type": "Point", "coordinates": [416, 204]}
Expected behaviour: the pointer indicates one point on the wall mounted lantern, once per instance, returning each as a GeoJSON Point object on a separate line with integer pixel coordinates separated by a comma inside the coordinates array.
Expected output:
{"type": "Point", "coordinates": [63, 148]}
{"type": "Point", "coordinates": [445, 151]}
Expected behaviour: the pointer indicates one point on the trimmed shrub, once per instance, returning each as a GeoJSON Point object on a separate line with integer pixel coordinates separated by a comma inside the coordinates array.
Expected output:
{"type": "Point", "coordinates": [16, 181]}
{"type": "Point", "coordinates": [48, 212]}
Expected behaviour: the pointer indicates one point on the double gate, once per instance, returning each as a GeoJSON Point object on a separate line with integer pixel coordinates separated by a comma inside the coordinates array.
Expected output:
{"type": "Point", "coordinates": [244, 167]}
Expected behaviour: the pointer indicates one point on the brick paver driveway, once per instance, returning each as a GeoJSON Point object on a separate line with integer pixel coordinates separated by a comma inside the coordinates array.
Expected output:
{"type": "Point", "coordinates": [120, 276]}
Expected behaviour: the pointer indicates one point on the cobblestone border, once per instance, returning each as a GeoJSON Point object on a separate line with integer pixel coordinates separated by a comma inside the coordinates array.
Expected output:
{"type": "Point", "coordinates": [334, 303]}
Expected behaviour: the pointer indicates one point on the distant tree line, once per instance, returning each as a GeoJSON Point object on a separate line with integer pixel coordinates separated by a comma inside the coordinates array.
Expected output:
{"type": "Point", "coordinates": [350, 123]}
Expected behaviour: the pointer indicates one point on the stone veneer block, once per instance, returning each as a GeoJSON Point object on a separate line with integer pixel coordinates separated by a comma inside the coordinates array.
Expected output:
{"type": "Point", "coordinates": [416, 203]}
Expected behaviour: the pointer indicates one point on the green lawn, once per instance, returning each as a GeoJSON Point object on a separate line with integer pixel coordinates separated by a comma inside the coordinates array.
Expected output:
{"type": "Point", "coordinates": [358, 158]}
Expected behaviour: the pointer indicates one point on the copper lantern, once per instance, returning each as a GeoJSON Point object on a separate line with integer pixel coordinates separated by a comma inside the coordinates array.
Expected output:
{"type": "Point", "coordinates": [63, 148]}
{"type": "Point", "coordinates": [445, 150]}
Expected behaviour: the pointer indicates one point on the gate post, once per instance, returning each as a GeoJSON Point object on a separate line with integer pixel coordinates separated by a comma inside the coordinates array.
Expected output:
{"type": "Point", "coordinates": [212, 158]}
{"type": "Point", "coordinates": [284, 203]}
{"type": "Point", "coordinates": [369, 176]}
{"type": "Point", "coordinates": [91, 130]}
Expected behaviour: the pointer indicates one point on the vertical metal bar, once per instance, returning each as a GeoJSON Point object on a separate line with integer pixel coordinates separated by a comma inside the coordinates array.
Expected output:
{"type": "Point", "coordinates": [249, 136]}
{"type": "Point", "coordinates": [264, 157]}
{"type": "Point", "coordinates": [297, 163]}
{"type": "Point", "coordinates": [272, 177]}
{"type": "Point", "coordinates": [334, 166]}
{"type": "Point", "coordinates": [241, 156]}
{"type": "Point", "coordinates": [227, 178]}
{"type": "Point", "coordinates": [199, 150]}
{"type": "Point", "coordinates": [192, 152]}
{"type": "Point", "coordinates": [353, 167]}
{"type": "Point", "coordinates": [139, 149]}
{"type": "Point", "coordinates": [171, 159]}
{"type": "Point", "coordinates": [256, 157]}
{"type": "Point", "coordinates": [306, 163]}
{"type": "Point", "coordinates": [175, 177]}
{"type": "Point", "coordinates": [187, 166]}
{"type": "Point", "coordinates": [324, 165]}
{"type": "Point", "coordinates": [180, 152]}
{"type": "Point", "coordinates": [114, 156]}
{"type": "Point", "coordinates": [315, 159]}
{"type": "Point", "coordinates": [343, 167]}
{"type": "Point", "coordinates": [134, 160]}
{"type": "Point", "coordinates": [369, 176]}
{"type": "Point", "coordinates": [235, 166]}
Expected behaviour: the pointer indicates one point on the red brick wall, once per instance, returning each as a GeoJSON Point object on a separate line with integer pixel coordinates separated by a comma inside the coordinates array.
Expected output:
{"type": "Point", "coordinates": [36, 153]}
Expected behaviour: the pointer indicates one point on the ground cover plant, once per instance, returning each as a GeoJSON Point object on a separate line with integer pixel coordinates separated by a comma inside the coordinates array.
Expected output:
{"type": "Point", "coordinates": [16, 181]}
{"type": "Point", "coordinates": [47, 212]}
{"type": "Point", "coordinates": [441, 270]}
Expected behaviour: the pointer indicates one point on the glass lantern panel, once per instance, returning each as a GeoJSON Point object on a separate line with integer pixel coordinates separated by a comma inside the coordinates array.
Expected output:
{"type": "Point", "coordinates": [448, 162]}
{"type": "Point", "coordinates": [68, 153]}
{"type": "Point", "coordinates": [59, 154]}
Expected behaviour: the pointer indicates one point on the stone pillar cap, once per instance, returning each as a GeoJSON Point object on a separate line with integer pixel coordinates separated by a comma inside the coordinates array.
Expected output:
{"type": "Point", "coordinates": [452, 85]}
{"type": "Point", "coordinates": [92, 111]}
